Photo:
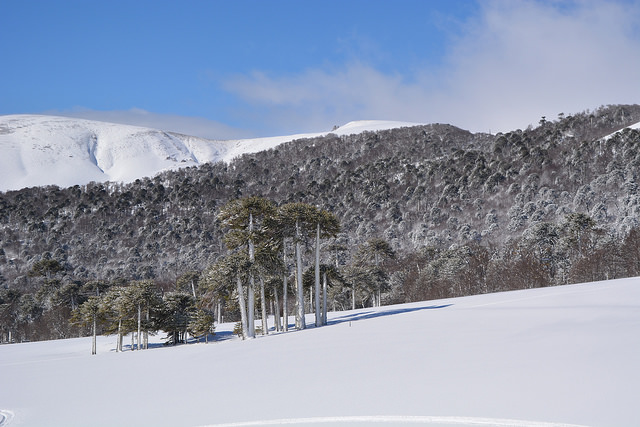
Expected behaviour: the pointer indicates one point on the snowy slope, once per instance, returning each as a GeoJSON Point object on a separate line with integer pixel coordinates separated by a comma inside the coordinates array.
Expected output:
{"type": "Point", "coordinates": [43, 150]}
{"type": "Point", "coordinates": [635, 126]}
{"type": "Point", "coordinates": [544, 357]}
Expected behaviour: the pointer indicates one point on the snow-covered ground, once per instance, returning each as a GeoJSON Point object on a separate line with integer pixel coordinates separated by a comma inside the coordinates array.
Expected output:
{"type": "Point", "coordinates": [544, 357]}
{"type": "Point", "coordinates": [43, 150]}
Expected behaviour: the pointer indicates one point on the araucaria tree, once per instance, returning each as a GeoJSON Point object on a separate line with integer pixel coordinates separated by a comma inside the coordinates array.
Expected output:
{"type": "Point", "coordinates": [89, 314]}
{"type": "Point", "coordinates": [226, 278]}
{"type": "Point", "coordinates": [143, 296]}
{"type": "Point", "coordinates": [294, 219]}
{"type": "Point", "coordinates": [245, 219]}
{"type": "Point", "coordinates": [372, 255]}
{"type": "Point", "coordinates": [326, 225]}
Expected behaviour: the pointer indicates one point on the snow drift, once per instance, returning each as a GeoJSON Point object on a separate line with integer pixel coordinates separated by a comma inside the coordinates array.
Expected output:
{"type": "Point", "coordinates": [543, 357]}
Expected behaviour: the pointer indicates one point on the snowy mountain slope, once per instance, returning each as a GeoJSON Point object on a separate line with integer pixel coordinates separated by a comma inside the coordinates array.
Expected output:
{"type": "Point", "coordinates": [43, 150]}
{"type": "Point", "coordinates": [560, 356]}
{"type": "Point", "coordinates": [635, 126]}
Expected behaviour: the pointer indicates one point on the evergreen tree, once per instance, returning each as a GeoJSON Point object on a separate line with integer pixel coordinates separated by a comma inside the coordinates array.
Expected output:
{"type": "Point", "coordinates": [294, 220]}
{"type": "Point", "coordinates": [178, 313]}
{"type": "Point", "coordinates": [245, 218]}
{"type": "Point", "coordinates": [143, 295]}
{"type": "Point", "coordinates": [201, 324]}
{"type": "Point", "coordinates": [91, 312]}
{"type": "Point", "coordinates": [326, 225]}
{"type": "Point", "coordinates": [372, 255]}
{"type": "Point", "coordinates": [219, 279]}
{"type": "Point", "coordinates": [117, 311]}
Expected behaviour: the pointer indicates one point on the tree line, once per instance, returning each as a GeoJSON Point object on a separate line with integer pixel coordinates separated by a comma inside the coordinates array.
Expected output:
{"type": "Point", "coordinates": [461, 212]}
{"type": "Point", "coordinates": [279, 260]}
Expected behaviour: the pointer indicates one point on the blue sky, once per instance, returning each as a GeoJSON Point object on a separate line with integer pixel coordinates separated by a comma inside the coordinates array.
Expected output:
{"type": "Point", "coordinates": [225, 69]}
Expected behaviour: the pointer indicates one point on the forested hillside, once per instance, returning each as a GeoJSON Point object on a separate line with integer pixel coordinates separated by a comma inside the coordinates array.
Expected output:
{"type": "Point", "coordinates": [464, 213]}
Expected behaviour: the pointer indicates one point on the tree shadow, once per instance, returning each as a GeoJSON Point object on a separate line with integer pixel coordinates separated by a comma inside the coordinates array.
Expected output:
{"type": "Point", "coordinates": [373, 314]}
{"type": "Point", "coordinates": [222, 336]}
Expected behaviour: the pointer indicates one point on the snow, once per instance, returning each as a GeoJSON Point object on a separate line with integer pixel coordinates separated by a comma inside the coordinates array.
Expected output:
{"type": "Point", "coordinates": [635, 126]}
{"type": "Point", "coordinates": [561, 356]}
{"type": "Point", "coordinates": [45, 150]}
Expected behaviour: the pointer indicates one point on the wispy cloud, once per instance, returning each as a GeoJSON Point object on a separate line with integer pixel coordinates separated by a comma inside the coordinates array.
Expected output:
{"type": "Point", "coordinates": [507, 67]}
{"type": "Point", "coordinates": [195, 126]}
{"type": "Point", "coordinates": [321, 98]}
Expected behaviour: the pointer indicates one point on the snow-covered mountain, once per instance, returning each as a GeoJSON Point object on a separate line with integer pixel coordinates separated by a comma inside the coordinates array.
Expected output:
{"type": "Point", "coordinates": [44, 150]}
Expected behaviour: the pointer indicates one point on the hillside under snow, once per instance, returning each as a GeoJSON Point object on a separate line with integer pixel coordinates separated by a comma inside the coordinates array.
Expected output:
{"type": "Point", "coordinates": [45, 150]}
{"type": "Point", "coordinates": [559, 356]}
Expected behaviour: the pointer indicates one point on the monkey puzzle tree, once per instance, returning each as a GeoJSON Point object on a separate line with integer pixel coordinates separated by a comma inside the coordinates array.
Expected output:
{"type": "Point", "coordinates": [188, 282]}
{"type": "Point", "coordinates": [91, 312]}
{"type": "Point", "coordinates": [117, 311]}
{"type": "Point", "coordinates": [267, 264]}
{"type": "Point", "coordinates": [178, 311]}
{"type": "Point", "coordinates": [218, 280]}
{"type": "Point", "coordinates": [201, 324]}
{"type": "Point", "coordinates": [330, 276]}
{"type": "Point", "coordinates": [143, 294]}
{"type": "Point", "coordinates": [46, 268]}
{"type": "Point", "coordinates": [326, 225]}
{"type": "Point", "coordinates": [293, 220]}
{"type": "Point", "coordinates": [245, 218]}
{"type": "Point", "coordinates": [376, 251]}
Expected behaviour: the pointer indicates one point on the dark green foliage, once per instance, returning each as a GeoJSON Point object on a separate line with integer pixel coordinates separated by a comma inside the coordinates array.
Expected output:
{"type": "Point", "coordinates": [201, 324]}
{"type": "Point", "coordinates": [178, 313]}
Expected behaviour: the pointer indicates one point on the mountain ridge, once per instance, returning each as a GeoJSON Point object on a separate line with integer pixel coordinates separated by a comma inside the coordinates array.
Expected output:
{"type": "Point", "coordinates": [41, 150]}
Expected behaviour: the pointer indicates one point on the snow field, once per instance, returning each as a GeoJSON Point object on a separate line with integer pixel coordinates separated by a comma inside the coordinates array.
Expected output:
{"type": "Point", "coordinates": [542, 357]}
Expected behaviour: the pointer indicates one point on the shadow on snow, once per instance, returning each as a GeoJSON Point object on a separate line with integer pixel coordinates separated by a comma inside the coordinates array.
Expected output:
{"type": "Point", "coordinates": [373, 314]}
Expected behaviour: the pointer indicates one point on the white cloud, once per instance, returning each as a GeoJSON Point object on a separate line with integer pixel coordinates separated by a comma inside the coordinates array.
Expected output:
{"type": "Point", "coordinates": [195, 126]}
{"type": "Point", "coordinates": [522, 60]}
{"type": "Point", "coordinates": [507, 67]}
{"type": "Point", "coordinates": [318, 99]}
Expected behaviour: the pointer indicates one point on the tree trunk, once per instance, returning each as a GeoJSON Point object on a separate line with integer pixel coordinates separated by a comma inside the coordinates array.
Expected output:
{"type": "Point", "coordinates": [317, 279]}
{"type": "Point", "coordinates": [353, 296]}
{"type": "Point", "coordinates": [251, 307]}
{"type": "Point", "coordinates": [251, 302]}
{"type": "Point", "coordinates": [300, 309]}
{"type": "Point", "coordinates": [263, 304]}
{"type": "Point", "coordinates": [146, 330]}
{"type": "Point", "coordinates": [285, 296]}
{"type": "Point", "coordinates": [276, 311]}
{"type": "Point", "coordinates": [376, 297]}
{"type": "Point", "coordinates": [324, 298]}
{"type": "Point", "coordinates": [243, 307]}
{"type": "Point", "coordinates": [139, 325]}
{"type": "Point", "coordinates": [120, 336]}
{"type": "Point", "coordinates": [95, 332]}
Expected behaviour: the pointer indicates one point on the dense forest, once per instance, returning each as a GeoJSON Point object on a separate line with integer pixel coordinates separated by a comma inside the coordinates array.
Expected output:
{"type": "Point", "coordinates": [452, 212]}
